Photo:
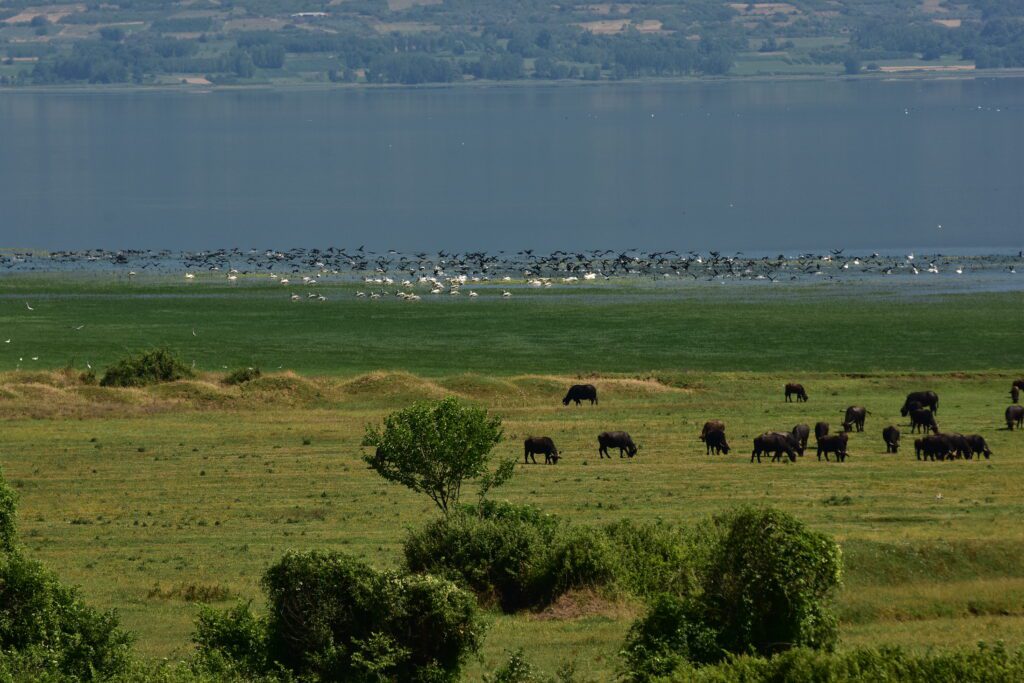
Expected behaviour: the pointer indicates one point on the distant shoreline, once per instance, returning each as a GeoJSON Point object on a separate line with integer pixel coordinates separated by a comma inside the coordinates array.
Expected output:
{"type": "Point", "coordinates": [922, 74]}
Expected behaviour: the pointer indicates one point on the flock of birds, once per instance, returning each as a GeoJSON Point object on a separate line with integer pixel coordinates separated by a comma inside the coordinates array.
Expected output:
{"type": "Point", "coordinates": [442, 272]}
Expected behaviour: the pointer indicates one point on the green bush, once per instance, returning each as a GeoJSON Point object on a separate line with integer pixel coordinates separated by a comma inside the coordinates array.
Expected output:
{"type": "Point", "coordinates": [656, 558]}
{"type": "Point", "coordinates": [152, 367]}
{"type": "Point", "coordinates": [580, 557]}
{"type": "Point", "coordinates": [983, 664]}
{"type": "Point", "coordinates": [500, 554]}
{"type": "Point", "coordinates": [8, 517]}
{"type": "Point", "coordinates": [235, 635]}
{"type": "Point", "coordinates": [334, 618]}
{"type": "Point", "coordinates": [765, 587]}
{"type": "Point", "coordinates": [41, 617]}
{"type": "Point", "coordinates": [243, 375]}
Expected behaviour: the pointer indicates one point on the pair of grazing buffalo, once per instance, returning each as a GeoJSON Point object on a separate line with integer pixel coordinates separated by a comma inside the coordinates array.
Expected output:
{"type": "Point", "coordinates": [920, 399]}
{"type": "Point", "coordinates": [949, 446]}
{"type": "Point", "coordinates": [544, 445]}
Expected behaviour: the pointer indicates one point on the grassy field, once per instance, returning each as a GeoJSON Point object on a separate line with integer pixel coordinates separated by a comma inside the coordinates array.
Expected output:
{"type": "Point", "coordinates": [150, 497]}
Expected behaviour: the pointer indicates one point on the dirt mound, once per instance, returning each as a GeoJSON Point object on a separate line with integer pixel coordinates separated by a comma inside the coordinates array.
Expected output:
{"type": "Point", "coordinates": [392, 385]}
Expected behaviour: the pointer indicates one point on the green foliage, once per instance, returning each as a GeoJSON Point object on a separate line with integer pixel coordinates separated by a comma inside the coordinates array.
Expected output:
{"type": "Point", "coordinates": [433, 447]}
{"type": "Point", "coordinates": [765, 587]}
{"type": "Point", "coordinates": [243, 375]}
{"type": "Point", "coordinates": [336, 618]}
{"type": "Point", "coordinates": [8, 517]}
{"type": "Point", "coordinates": [499, 553]}
{"type": "Point", "coordinates": [40, 615]}
{"type": "Point", "coordinates": [151, 367]}
{"type": "Point", "coordinates": [656, 558]}
{"type": "Point", "coordinates": [983, 664]}
{"type": "Point", "coordinates": [235, 635]}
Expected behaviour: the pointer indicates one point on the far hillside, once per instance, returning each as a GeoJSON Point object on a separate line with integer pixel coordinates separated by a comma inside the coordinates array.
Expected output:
{"type": "Point", "coordinates": [201, 43]}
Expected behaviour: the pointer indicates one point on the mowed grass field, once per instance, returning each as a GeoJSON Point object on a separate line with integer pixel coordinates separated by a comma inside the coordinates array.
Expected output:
{"type": "Point", "coordinates": [151, 498]}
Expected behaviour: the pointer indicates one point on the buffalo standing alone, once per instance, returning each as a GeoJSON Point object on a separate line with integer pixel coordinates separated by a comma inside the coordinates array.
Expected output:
{"type": "Point", "coordinates": [580, 393]}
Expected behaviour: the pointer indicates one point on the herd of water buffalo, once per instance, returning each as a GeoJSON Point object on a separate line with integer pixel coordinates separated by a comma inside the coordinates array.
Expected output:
{"type": "Point", "coordinates": [920, 407]}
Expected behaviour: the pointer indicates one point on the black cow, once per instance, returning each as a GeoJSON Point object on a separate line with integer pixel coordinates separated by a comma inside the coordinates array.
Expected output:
{"type": "Point", "coordinates": [796, 390]}
{"type": "Point", "coordinates": [715, 442]}
{"type": "Point", "coordinates": [1015, 393]}
{"type": "Point", "coordinates": [855, 418]}
{"type": "Point", "coordinates": [978, 445]}
{"type": "Point", "coordinates": [820, 430]}
{"type": "Point", "coordinates": [710, 426]}
{"type": "Point", "coordinates": [620, 440]}
{"type": "Point", "coordinates": [802, 432]}
{"type": "Point", "coordinates": [925, 398]}
{"type": "Point", "coordinates": [933, 447]}
{"type": "Point", "coordinates": [1014, 417]}
{"type": "Point", "coordinates": [775, 443]}
{"type": "Point", "coordinates": [959, 445]}
{"type": "Point", "coordinates": [833, 444]}
{"type": "Point", "coordinates": [922, 420]}
{"type": "Point", "coordinates": [891, 436]}
{"type": "Point", "coordinates": [541, 444]}
{"type": "Point", "coordinates": [579, 393]}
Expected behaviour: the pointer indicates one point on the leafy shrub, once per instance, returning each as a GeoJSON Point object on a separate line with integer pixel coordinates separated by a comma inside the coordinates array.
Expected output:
{"type": "Point", "coordinates": [500, 554]}
{"type": "Point", "coordinates": [157, 365]}
{"type": "Point", "coordinates": [40, 615]}
{"type": "Point", "coordinates": [87, 377]}
{"type": "Point", "coordinates": [579, 558]}
{"type": "Point", "coordinates": [337, 619]}
{"type": "Point", "coordinates": [235, 635]}
{"type": "Point", "coordinates": [655, 558]}
{"type": "Point", "coordinates": [8, 517]}
{"type": "Point", "coordinates": [243, 375]}
{"type": "Point", "coordinates": [433, 447]}
{"type": "Point", "coordinates": [765, 588]}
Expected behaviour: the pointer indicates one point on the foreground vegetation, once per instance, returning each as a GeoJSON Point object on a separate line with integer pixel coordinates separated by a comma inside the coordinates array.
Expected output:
{"type": "Point", "coordinates": [428, 41]}
{"type": "Point", "coordinates": [156, 499]}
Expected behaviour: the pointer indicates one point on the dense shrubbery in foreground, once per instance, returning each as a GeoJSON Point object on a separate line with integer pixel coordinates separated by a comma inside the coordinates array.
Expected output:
{"type": "Point", "coordinates": [766, 587]}
{"type": "Point", "coordinates": [334, 618]}
{"type": "Point", "coordinates": [44, 625]}
{"type": "Point", "coordinates": [152, 367]}
{"type": "Point", "coordinates": [517, 557]}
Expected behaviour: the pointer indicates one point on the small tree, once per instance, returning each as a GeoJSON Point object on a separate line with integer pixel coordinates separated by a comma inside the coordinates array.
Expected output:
{"type": "Point", "coordinates": [433, 447]}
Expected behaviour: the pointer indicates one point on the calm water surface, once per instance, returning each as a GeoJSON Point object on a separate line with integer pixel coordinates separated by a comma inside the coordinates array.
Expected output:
{"type": "Point", "coordinates": [741, 165]}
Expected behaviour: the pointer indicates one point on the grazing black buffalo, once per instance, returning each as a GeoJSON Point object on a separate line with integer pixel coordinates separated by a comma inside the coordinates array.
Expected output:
{"type": "Point", "coordinates": [710, 426]}
{"type": "Point", "coordinates": [1014, 417]}
{"type": "Point", "coordinates": [855, 418]}
{"type": "Point", "coordinates": [891, 436]}
{"type": "Point", "coordinates": [933, 447]}
{"type": "Point", "coordinates": [775, 443]}
{"type": "Point", "coordinates": [715, 442]}
{"type": "Point", "coordinates": [796, 390]}
{"type": "Point", "coordinates": [978, 445]}
{"type": "Point", "coordinates": [833, 444]}
{"type": "Point", "coordinates": [580, 393]}
{"type": "Point", "coordinates": [1015, 393]}
{"type": "Point", "coordinates": [959, 446]}
{"type": "Point", "coordinates": [922, 420]}
{"type": "Point", "coordinates": [820, 430]}
{"type": "Point", "coordinates": [541, 444]}
{"type": "Point", "coordinates": [925, 398]}
{"type": "Point", "coordinates": [801, 432]}
{"type": "Point", "coordinates": [620, 440]}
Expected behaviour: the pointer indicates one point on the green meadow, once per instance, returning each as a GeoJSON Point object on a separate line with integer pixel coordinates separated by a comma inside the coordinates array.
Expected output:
{"type": "Point", "coordinates": [154, 500]}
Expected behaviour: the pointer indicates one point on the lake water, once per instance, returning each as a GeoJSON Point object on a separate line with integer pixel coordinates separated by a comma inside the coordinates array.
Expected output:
{"type": "Point", "coordinates": [728, 165]}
